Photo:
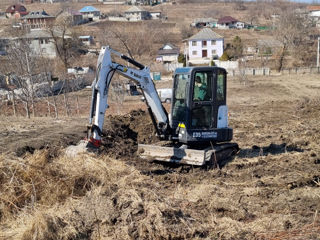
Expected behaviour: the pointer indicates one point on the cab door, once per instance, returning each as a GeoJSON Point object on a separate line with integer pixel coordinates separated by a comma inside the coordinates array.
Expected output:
{"type": "Point", "coordinates": [201, 104]}
{"type": "Point", "coordinates": [219, 99]}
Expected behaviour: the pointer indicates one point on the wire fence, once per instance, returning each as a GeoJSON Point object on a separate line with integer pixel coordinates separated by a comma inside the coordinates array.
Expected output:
{"type": "Point", "coordinates": [55, 107]}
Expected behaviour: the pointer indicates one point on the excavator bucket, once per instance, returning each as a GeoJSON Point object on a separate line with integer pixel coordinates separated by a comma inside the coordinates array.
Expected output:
{"type": "Point", "coordinates": [210, 155]}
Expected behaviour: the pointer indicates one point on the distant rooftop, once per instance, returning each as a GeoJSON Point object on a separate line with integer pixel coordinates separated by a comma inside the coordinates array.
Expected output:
{"type": "Point", "coordinates": [201, 20]}
{"type": "Point", "coordinates": [41, 33]}
{"type": "Point", "coordinates": [227, 19]}
{"type": "Point", "coordinates": [205, 34]}
{"type": "Point", "coordinates": [89, 9]}
{"type": "Point", "coordinates": [135, 9]}
{"type": "Point", "coordinates": [37, 14]}
{"type": "Point", "coordinates": [313, 8]}
{"type": "Point", "coordinates": [16, 8]}
{"type": "Point", "coordinates": [168, 49]}
{"type": "Point", "coordinates": [73, 12]}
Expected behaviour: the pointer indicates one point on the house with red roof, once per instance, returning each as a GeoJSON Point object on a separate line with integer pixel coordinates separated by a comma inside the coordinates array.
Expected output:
{"type": "Point", "coordinates": [314, 14]}
{"type": "Point", "coordinates": [314, 10]}
{"type": "Point", "coordinates": [16, 10]}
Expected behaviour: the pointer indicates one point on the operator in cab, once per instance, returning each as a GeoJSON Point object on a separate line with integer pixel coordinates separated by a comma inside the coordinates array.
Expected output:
{"type": "Point", "coordinates": [200, 89]}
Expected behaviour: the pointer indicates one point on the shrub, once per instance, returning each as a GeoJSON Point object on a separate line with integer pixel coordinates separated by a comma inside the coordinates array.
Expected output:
{"type": "Point", "coordinates": [224, 57]}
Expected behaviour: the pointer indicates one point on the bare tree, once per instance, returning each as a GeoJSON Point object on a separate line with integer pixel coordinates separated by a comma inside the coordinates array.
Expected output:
{"type": "Point", "coordinates": [292, 31]}
{"type": "Point", "coordinates": [137, 40]}
{"type": "Point", "coordinates": [186, 31]}
{"type": "Point", "coordinates": [53, 88]}
{"type": "Point", "coordinates": [23, 66]}
{"type": "Point", "coordinates": [68, 47]}
{"type": "Point", "coordinates": [67, 43]}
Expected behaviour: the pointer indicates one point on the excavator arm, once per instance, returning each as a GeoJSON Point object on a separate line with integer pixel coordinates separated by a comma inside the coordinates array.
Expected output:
{"type": "Point", "coordinates": [100, 88]}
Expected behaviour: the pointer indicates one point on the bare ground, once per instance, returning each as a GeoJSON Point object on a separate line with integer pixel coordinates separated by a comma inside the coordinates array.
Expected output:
{"type": "Point", "coordinates": [270, 190]}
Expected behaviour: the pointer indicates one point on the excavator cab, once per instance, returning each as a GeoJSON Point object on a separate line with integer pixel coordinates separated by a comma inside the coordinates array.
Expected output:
{"type": "Point", "coordinates": [199, 113]}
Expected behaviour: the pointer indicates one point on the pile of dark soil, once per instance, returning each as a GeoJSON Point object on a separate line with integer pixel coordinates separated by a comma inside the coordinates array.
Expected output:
{"type": "Point", "coordinates": [122, 133]}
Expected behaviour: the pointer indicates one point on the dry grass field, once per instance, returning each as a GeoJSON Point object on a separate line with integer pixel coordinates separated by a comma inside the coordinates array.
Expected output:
{"type": "Point", "coordinates": [270, 190]}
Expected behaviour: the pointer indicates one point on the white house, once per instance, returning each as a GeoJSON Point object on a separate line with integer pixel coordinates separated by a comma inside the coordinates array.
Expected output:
{"type": "Point", "coordinates": [204, 22]}
{"type": "Point", "coordinates": [156, 15]}
{"type": "Point", "coordinates": [240, 25]}
{"type": "Point", "coordinates": [227, 22]}
{"type": "Point", "coordinates": [168, 53]}
{"type": "Point", "coordinates": [87, 40]}
{"type": "Point", "coordinates": [137, 14]}
{"type": "Point", "coordinates": [204, 46]}
{"type": "Point", "coordinates": [41, 42]}
{"type": "Point", "coordinates": [314, 14]}
{"type": "Point", "coordinates": [90, 13]}
{"type": "Point", "coordinates": [314, 11]}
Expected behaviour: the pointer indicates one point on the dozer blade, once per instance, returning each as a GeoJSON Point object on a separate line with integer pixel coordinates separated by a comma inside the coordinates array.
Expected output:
{"type": "Point", "coordinates": [181, 155]}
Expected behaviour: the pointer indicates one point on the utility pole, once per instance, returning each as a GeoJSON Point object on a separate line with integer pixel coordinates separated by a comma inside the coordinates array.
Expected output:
{"type": "Point", "coordinates": [318, 52]}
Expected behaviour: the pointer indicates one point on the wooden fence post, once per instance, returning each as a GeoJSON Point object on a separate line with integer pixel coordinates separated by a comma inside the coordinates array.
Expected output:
{"type": "Point", "coordinates": [49, 110]}
{"type": "Point", "coordinates": [14, 104]}
{"type": "Point", "coordinates": [66, 104]}
{"type": "Point", "coordinates": [78, 107]}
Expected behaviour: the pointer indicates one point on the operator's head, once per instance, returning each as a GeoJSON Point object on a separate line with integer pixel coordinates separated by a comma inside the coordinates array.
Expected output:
{"type": "Point", "coordinates": [198, 79]}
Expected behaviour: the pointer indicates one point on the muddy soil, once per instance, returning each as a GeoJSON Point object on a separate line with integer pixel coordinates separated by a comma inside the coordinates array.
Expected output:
{"type": "Point", "coordinates": [270, 190]}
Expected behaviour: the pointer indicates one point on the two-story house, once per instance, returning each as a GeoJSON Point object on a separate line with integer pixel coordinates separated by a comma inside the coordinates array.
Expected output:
{"type": "Point", "coordinates": [41, 43]}
{"type": "Point", "coordinates": [137, 14]}
{"type": "Point", "coordinates": [37, 19]}
{"type": "Point", "coordinates": [204, 46]}
{"type": "Point", "coordinates": [90, 13]}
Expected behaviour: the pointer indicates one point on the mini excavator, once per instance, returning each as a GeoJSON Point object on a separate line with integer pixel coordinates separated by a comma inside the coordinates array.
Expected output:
{"type": "Point", "coordinates": [196, 132]}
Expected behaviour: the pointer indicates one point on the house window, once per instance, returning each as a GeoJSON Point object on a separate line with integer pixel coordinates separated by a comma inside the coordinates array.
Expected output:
{"type": "Point", "coordinates": [194, 43]}
{"type": "Point", "coordinates": [214, 52]}
{"type": "Point", "coordinates": [204, 43]}
{"type": "Point", "coordinates": [194, 52]}
{"type": "Point", "coordinates": [213, 42]}
{"type": "Point", "coordinates": [44, 41]}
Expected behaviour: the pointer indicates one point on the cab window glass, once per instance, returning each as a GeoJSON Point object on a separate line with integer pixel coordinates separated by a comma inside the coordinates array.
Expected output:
{"type": "Point", "coordinates": [202, 86]}
{"type": "Point", "coordinates": [220, 86]}
{"type": "Point", "coordinates": [179, 101]}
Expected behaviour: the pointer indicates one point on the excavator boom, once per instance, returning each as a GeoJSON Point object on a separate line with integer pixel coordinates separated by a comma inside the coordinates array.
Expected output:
{"type": "Point", "coordinates": [100, 88]}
